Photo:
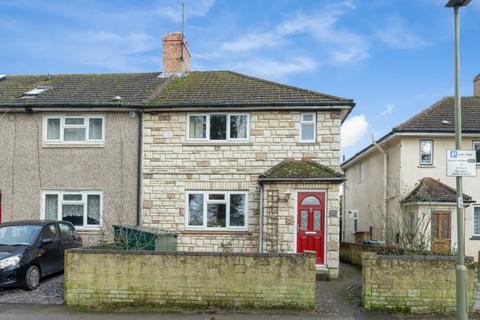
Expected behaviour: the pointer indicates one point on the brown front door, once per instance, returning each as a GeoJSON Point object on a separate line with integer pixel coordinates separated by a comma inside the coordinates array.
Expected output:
{"type": "Point", "coordinates": [441, 226]}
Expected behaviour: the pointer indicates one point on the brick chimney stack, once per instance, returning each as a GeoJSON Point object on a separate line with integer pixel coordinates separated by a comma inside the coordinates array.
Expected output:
{"type": "Point", "coordinates": [176, 58]}
{"type": "Point", "coordinates": [476, 86]}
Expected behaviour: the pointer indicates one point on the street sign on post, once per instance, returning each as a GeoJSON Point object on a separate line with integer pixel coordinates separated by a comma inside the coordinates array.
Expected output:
{"type": "Point", "coordinates": [461, 163]}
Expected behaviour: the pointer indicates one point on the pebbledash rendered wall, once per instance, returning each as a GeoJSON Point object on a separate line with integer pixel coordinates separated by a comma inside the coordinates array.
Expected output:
{"type": "Point", "coordinates": [104, 278]}
{"type": "Point", "coordinates": [416, 284]}
{"type": "Point", "coordinates": [172, 166]}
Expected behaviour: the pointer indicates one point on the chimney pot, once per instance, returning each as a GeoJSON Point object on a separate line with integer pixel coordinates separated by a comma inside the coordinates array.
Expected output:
{"type": "Point", "coordinates": [476, 86]}
{"type": "Point", "coordinates": [176, 57]}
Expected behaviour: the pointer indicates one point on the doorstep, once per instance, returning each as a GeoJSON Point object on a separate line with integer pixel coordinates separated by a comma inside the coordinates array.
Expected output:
{"type": "Point", "coordinates": [322, 273]}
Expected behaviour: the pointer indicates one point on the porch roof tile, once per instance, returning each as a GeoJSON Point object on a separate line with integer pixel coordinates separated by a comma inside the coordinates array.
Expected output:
{"type": "Point", "coordinates": [432, 190]}
{"type": "Point", "coordinates": [301, 170]}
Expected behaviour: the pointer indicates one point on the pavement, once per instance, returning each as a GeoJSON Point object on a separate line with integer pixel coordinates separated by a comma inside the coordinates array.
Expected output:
{"type": "Point", "coordinates": [336, 299]}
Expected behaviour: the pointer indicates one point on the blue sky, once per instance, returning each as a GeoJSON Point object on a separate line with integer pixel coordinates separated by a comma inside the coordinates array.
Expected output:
{"type": "Point", "coordinates": [394, 57]}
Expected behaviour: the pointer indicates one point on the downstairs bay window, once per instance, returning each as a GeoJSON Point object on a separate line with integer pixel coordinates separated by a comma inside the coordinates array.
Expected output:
{"type": "Point", "coordinates": [81, 208]}
{"type": "Point", "coordinates": [217, 210]}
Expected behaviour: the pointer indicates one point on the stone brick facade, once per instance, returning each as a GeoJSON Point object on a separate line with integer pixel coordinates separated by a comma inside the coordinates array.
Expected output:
{"type": "Point", "coordinates": [104, 278]}
{"type": "Point", "coordinates": [173, 165]}
{"type": "Point", "coordinates": [417, 284]}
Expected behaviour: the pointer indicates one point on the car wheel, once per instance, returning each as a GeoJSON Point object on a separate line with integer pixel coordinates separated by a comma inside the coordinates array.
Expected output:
{"type": "Point", "coordinates": [32, 278]}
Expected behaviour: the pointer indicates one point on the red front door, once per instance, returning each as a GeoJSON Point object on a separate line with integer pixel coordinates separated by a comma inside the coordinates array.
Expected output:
{"type": "Point", "coordinates": [311, 223]}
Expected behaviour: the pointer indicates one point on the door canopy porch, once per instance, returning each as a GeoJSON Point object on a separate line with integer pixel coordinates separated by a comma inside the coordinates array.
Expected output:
{"type": "Point", "coordinates": [301, 171]}
{"type": "Point", "coordinates": [430, 190]}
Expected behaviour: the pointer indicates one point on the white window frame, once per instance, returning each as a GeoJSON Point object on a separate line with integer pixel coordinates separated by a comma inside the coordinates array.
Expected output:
{"type": "Point", "coordinates": [354, 219]}
{"type": "Point", "coordinates": [207, 133]}
{"type": "Point", "coordinates": [313, 121]}
{"type": "Point", "coordinates": [227, 194]}
{"type": "Point", "coordinates": [473, 221]}
{"type": "Point", "coordinates": [474, 142]}
{"type": "Point", "coordinates": [361, 172]}
{"type": "Point", "coordinates": [64, 126]}
{"type": "Point", "coordinates": [420, 153]}
{"type": "Point", "coordinates": [85, 194]}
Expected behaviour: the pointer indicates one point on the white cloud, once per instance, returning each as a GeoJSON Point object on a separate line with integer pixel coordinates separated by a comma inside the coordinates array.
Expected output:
{"type": "Point", "coordinates": [398, 35]}
{"type": "Point", "coordinates": [340, 45]}
{"type": "Point", "coordinates": [388, 109]}
{"type": "Point", "coordinates": [353, 130]}
{"type": "Point", "coordinates": [274, 68]}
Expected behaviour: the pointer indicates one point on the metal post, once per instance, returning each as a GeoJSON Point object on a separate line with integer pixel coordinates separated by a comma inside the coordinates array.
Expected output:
{"type": "Point", "coordinates": [461, 271]}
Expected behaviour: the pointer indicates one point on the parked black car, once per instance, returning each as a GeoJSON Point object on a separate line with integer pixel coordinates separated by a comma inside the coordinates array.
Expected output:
{"type": "Point", "coordinates": [30, 250]}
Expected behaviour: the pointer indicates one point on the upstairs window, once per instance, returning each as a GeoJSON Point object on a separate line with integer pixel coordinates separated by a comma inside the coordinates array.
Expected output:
{"type": "Point", "coordinates": [74, 129]}
{"type": "Point", "coordinates": [476, 147]}
{"type": "Point", "coordinates": [361, 172]}
{"type": "Point", "coordinates": [307, 127]}
{"type": "Point", "coordinates": [426, 152]}
{"type": "Point", "coordinates": [218, 127]}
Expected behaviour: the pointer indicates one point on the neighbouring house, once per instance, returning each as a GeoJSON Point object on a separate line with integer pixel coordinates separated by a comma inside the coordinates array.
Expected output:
{"type": "Point", "coordinates": [236, 163]}
{"type": "Point", "coordinates": [227, 161]}
{"type": "Point", "coordinates": [399, 183]}
{"type": "Point", "coordinates": [69, 148]}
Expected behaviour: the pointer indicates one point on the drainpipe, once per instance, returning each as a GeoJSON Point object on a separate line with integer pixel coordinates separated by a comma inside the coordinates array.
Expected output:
{"type": "Point", "coordinates": [139, 166]}
{"type": "Point", "coordinates": [385, 183]}
{"type": "Point", "coordinates": [260, 240]}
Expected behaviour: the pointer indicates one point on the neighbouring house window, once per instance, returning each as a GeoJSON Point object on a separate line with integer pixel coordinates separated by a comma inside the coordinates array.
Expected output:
{"type": "Point", "coordinates": [81, 208]}
{"type": "Point", "coordinates": [476, 147]}
{"type": "Point", "coordinates": [361, 172]}
{"type": "Point", "coordinates": [307, 127]}
{"type": "Point", "coordinates": [426, 152]}
{"type": "Point", "coordinates": [476, 221]}
{"type": "Point", "coordinates": [355, 221]}
{"type": "Point", "coordinates": [218, 127]}
{"type": "Point", "coordinates": [217, 210]}
{"type": "Point", "coordinates": [74, 129]}
{"type": "Point", "coordinates": [411, 222]}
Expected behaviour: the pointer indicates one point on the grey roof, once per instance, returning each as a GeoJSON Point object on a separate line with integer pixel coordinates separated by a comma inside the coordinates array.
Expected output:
{"type": "Point", "coordinates": [432, 190]}
{"type": "Point", "coordinates": [431, 118]}
{"type": "Point", "coordinates": [301, 170]}
{"type": "Point", "coordinates": [80, 89]}
{"type": "Point", "coordinates": [227, 88]}
{"type": "Point", "coordinates": [193, 89]}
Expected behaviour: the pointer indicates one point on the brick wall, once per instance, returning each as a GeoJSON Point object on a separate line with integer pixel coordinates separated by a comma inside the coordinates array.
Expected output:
{"type": "Point", "coordinates": [105, 278]}
{"type": "Point", "coordinates": [173, 166]}
{"type": "Point", "coordinates": [417, 284]}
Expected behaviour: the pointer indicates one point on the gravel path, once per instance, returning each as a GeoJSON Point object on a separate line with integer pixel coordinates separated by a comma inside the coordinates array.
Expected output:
{"type": "Point", "coordinates": [50, 291]}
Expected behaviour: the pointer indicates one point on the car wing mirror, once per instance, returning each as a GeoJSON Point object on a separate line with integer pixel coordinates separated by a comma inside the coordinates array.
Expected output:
{"type": "Point", "coordinates": [46, 241]}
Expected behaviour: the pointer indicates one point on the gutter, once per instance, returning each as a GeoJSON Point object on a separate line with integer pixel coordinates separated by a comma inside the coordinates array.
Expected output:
{"type": "Point", "coordinates": [139, 166]}
{"type": "Point", "coordinates": [385, 182]}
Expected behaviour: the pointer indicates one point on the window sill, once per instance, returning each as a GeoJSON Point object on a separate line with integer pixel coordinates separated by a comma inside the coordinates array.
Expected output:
{"type": "Point", "coordinates": [308, 143]}
{"type": "Point", "coordinates": [474, 238]}
{"type": "Point", "coordinates": [73, 145]}
{"type": "Point", "coordinates": [216, 232]}
{"type": "Point", "coordinates": [89, 230]}
{"type": "Point", "coordinates": [430, 166]}
{"type": "Point", "coordinates": [220, 143]}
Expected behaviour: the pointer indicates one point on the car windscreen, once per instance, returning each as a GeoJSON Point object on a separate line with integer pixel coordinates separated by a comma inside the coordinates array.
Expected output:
{"type": "Point", "coordinates": [23, 235]}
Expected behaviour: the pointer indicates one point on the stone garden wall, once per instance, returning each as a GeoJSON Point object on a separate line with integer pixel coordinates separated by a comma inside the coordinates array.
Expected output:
{"type": "Point", "coordinates": [103, 278]}
{"type": "Point", "coordinates": [417, 284]}
{"type": "Point", "coordinates": [351, 253]}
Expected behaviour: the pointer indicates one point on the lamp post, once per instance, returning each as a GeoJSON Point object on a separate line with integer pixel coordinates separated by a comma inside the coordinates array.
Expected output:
{"type": "Point", "coordinates": [461, 271]}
